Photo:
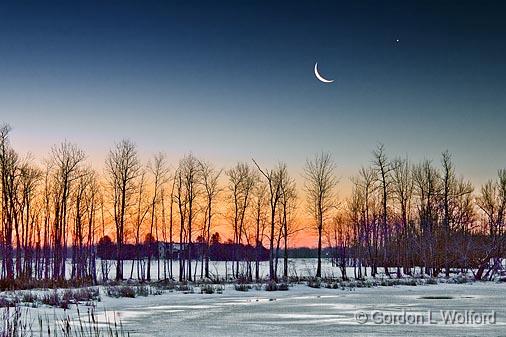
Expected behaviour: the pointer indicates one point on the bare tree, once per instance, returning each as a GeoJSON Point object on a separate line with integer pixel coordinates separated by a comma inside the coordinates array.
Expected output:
{"type": "Point", "coordinates": [260, 219]}
{"type": "Point", "coordinates": [356, 215]}
{"type": "Point", "coordinates": [241, 183]}
{"type": "Point", "coordinates": [427, 188]}
{"type": "Point", "coordinates": [320, 184]}
{"type": "Point", "coordinates": [187, 190]}
{"type": "Point", "coordinates": [492, 203]}
{"type": "Point", "coordinates": [181, 197]}
{"type": "Point", "coordinates": [448, 184]}
{"type": "Point", "coordinates": [159, 172]}
{"type": "Point", "coordinates": [383, 168]}
{"type": "Point", "coordinates": [8, 169]}
{"type": "Point", "coordinates": [80, 214]}
{"type": "Point", "coordinates": [139, 214]}
{"type": "Point", "coordinates": [288, 206]}
{"type": "Point", "coordinates": [171, 222]}
{"type": "Point", "coordinates": [273, 179]}
{"type": "Point", "coordinates": [362, 201]}
{"type": "Point", "coordinates": [402, 186]}
{"type": "Point", "coordinates": [339, 236]}
{"type": "Point", "coordinates": [47, 206]}
{"type": "Point", "coordinates": [210, 179]}
{"type": "Point", "coordinates": [93, 197]}
{"type": "Point", "coordinates": [122, 165]}
{"type": "Point", "coordinates": [67, 159]}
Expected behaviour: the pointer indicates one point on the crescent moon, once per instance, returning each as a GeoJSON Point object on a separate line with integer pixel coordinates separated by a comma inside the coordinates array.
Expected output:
{"type": "Point", "coordinates": [320, 77]}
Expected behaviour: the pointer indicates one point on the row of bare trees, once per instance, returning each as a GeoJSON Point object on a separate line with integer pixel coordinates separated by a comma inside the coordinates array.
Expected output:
{"type": "Point", "coordinates": [399, 215]}
{"type": "Point", "coordinates": [403, 215]}
{"type": "Point", "coordinates": [54, 213]}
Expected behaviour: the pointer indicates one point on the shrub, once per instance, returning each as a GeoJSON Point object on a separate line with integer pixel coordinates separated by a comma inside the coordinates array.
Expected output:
{"type": "Point", "coordinates": [242, 279]}
{"type": "Point", "coordinates": [314, 283]}
{"type": "Point", "coordinates": [81, 295]}
{"type": "Point", "coordinates": [283, 287]}
{"type": "Point", "coordinates": [294, 279]}
{"type": "Point", "coordinates": [412, 283]}
{"type": "Point", "coordinates": [242, 287]}
{"type": "Point", "coordinates": [52, 299]}
{"type": "Point", "coordinates": [332, 285]}
{"type": "Point", "coordinates": [142, 291]}
{"type": "Point", "coordinates": [155, 291]}
{"type": "Point", "coordinates": [207, 289]}
{"type": "Point", "coordinates": [460, 279]}
{"type": "Point", "coordinates": [273, 286]}
{"type": "Point", "coordinates": [26, 284]}
{"type": "Point", "coordinates": [132, 291]}
{"type": "Point", "coordinates": [29, 297]}
{"type": "Point", "coordinates": [165, 285]}
{"type": "Point", "coordinates": [185, 288]}
{"type": "Point", "coordinates": [121, 291]}
{"type": "Point", "coordinates": [359, 284]}
{"type": "Point", "coordinates": [6, 302]}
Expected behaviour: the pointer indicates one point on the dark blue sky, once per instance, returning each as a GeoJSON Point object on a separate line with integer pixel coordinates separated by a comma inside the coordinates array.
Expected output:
{"type": "Point", "coordinates": [231, 80]}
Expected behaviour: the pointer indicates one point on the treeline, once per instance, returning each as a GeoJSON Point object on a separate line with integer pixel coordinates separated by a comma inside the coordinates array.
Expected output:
{"type": "Point", "coordinates": [217, 251]}
{"type": "Point", "coordinates": [400, 215]}
{"type": "Point", "coordinates": [403, 215]}
{"type": "Point", "coordinates": [61, 205]}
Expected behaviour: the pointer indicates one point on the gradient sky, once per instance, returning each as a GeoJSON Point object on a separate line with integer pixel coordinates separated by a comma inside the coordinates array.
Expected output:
{"type": "Point", "coordinates": [232, 80]}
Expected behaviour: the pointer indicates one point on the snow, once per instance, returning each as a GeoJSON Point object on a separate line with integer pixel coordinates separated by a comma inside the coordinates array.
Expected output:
{"type": "Point", "coordinates": [302, 267]}
{"type": "Point", "coordinates": [301, 311]}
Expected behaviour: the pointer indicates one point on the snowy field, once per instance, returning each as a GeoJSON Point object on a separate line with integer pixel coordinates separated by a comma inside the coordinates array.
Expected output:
{"type": "Point", "coordinates": [218, 269]}
{"type": "Point", "coordinates": [304, 311]}
{"type": "Point", "coordinates": [437, 310]}
{"type": "Point", "coordinates": [300, 267]}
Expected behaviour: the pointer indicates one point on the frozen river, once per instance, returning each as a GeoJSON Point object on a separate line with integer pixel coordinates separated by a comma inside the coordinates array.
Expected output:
{"type": "Point", "coordinates": [303, 311]}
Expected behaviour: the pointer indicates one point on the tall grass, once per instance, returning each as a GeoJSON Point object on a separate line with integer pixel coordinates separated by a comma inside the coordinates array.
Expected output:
{"type": "Point", "coordinates": [19, 323]}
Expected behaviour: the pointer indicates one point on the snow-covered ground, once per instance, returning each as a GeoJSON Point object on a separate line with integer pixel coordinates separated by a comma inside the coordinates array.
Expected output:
{"type": "Point", "coordinates": [299, 267]}
{"type": "Point", "coordinates": [304, 311]}
{"type": "Point", "coordinates": [302, 267]}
